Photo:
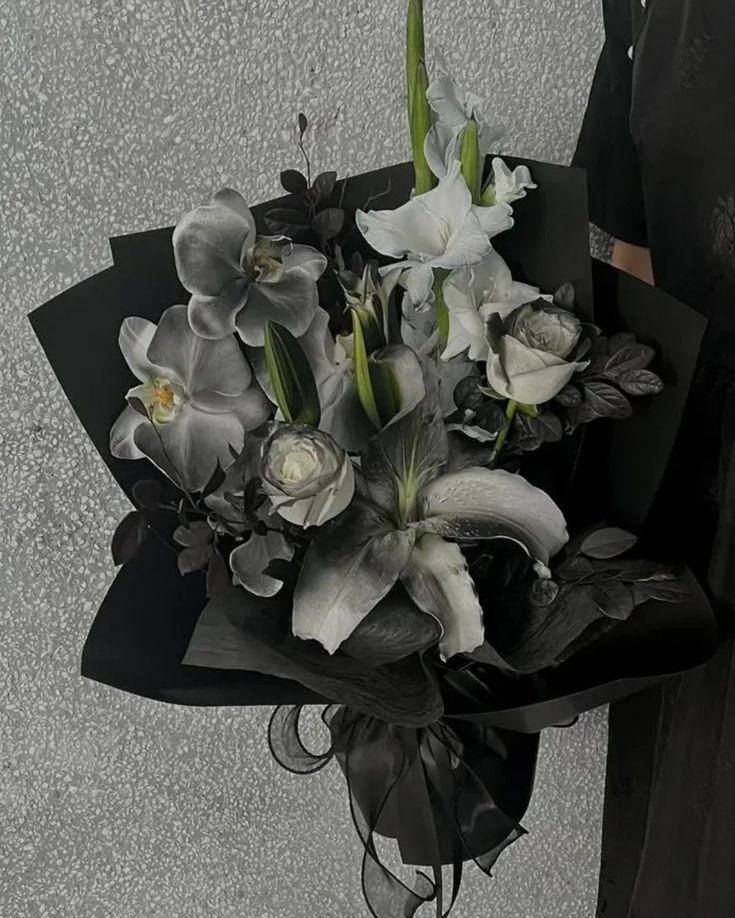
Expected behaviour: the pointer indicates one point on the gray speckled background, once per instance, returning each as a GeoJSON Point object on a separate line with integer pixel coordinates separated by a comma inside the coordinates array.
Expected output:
{"type": "Point", "coordinates": [117, 115]}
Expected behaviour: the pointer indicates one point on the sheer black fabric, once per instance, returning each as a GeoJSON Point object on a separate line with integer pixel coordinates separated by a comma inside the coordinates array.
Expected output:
{"type": "Point", "coordinates": [658, 141]}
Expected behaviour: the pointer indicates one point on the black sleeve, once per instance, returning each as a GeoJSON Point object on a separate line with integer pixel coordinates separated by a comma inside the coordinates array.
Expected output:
{"type": "Point", "coordinates": [605, 147]}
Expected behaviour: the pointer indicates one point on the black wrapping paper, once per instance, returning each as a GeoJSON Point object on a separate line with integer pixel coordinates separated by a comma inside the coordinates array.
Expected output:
{"type": "Point", "coordinates": [144, 625]}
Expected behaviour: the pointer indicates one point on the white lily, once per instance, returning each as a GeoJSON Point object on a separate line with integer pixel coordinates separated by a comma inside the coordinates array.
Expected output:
{"type": "Point", "coordinates": [239, 280]}
{"type": "Point", "coordinates": [439, 229]}
{"type": "Point", "coordinates": [472, 295]}
{"type": "Point", "coordinates": [196, 399]}
{"type": "Point", "coordinates": [453, 108]}
{"type": "Point", "coordinates": [403, 527]}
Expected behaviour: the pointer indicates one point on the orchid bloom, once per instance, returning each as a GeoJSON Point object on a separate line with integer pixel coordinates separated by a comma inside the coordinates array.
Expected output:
{"type": "Point", "coordinates": [472, 295]}
{"type": "Point", "coordinates": [239, 280]}
{"type": "Point", "coordinates": [195, 401]}
{"type": "Point", "coordinates": [439, 229]}
{"type": "Point", "coordinates": [453, 108]}
{"type": "Point", "coordinates": [402, 526]}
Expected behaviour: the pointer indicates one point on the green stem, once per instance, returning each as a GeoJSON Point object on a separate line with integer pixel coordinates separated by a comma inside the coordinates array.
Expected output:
{"type": "Point", "coordinates": [510, 413]}
{"type": "Point", "coordinates": [440, 305]}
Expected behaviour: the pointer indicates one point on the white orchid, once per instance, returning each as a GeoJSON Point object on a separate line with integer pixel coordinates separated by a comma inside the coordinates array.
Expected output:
{"type": "Point", "coordinates": [439, 229]}
{"type": "Point", "coordinates": [196, 399]}
{"type": "Point", "coordinates": [472, 295]}
{"type": "Point", "coordinates": [506, 185]}
{"type": "Point", "coordinates": [239, 280]}
{"type": "Point", "coordinates": [453, 108]}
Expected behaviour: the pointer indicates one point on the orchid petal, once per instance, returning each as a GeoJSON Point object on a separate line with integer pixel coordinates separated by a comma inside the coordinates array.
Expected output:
{"type": "Point", "coordinates": [213, 317]}
{"type": "Point", "coordinates": [305, 258]}
{"type": "Point", "coordinates": [438, 580]}
{"type": "Point", "coordinates": [291, 302]}
{"type": "Point", "coordinates": [479, 503]}
{"type": "Point", "coordinates": [122, 435]}
{"type": "Point", "coordinates": [202, 365]}
{"type": "Point", "coordinates": [134, 339]}
{"type": "Point", "coordinates": [209, 243]}
{"type": "Point", "coordinates": [188, 448]}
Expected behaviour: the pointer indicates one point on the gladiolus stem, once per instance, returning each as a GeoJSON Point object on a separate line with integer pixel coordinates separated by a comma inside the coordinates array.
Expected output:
{"type": "Point", "coordinates": [469, 157]}
{"type": "Point", "coordinates": [510, 413]}
{"type": "Point", "coordinates": [441, 310]}
{"type": "Point", "coordinates": [419, 115]}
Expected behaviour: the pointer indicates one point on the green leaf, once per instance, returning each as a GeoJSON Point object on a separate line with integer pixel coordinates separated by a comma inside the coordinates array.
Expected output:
{"type": "Point", "coordinates": [469, 157]}
{"type": "Point", "coordinates": [291, 376]}
{"type": "Point", "coordinates": [363, 381]}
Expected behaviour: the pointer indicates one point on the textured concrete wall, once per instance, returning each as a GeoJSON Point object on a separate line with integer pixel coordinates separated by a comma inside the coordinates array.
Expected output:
{"type": "Point", "coordinates": [118, 115]}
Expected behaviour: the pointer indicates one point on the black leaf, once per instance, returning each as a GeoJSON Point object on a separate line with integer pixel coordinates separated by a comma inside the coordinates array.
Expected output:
{"type": "Point", "coordinates": [546, 426]}
{"type": "Point", "coordinates": [328, 223]}
{"type": "Point", "coordinates": [490, 417]}
{"type": "Point", "coordinates": [286, 220]}
{"type": "Point", "coordinates": [128, 537]}
{"type": "Point", "coordinates": [303, 124]}
{"type": "Point", "coordinates": [467, 394]}
{"type": "Point", "coordinates": [293, 181]}
{"type": "Point", "coordinates": [630, 357]}
{"type": "Point", "coordinates": [660, 590]}
{"type": "Point", "coordinates": [148, 494]}
{"type": "Point", "coordinates": [215, 481]}
{"type": "Point", "coordinates": [195, 558]}
{"type": "Point", "coordinates": [194, 534]}
{"type": "Point", "coordinates": [323, 186]}
{"type": "Point", "coordinates": [640, 382]}
{"type": "Point", "coordinates": [620, 340]}
{"type": "Point", "coordinates": [605, 401]}
{"type": "Point", "coordinates": [607, 543]}
{"type": "Point", "coordinates": [218, 575]}
{"type": "Point", "coordinates": [569, 397]}
{"type": "Point", "coordinates": [613, 599]}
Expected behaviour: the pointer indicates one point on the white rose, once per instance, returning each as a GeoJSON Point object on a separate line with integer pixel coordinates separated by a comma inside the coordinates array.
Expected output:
{"type": "Point", "coordinates": [528, 350]}
{"type": "Point", "coordinates": [308, 478]}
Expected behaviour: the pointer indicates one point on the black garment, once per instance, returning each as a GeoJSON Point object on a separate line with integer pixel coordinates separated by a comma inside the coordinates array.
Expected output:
{"type": "Point", "coordinates": [658, 141]}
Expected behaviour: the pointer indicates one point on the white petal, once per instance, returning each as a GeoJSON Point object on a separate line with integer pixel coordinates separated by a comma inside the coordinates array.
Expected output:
{"type": "Point", "coordinates": [437, 579]}
{"type": "Point", "coordinates": [202, 365]}
{"type": "Point", "coordinates": [209, 243]}
{"type": "Point", "coordinates": [528, 375]}
{"type": "Point", "coordinates": [466, 326]}
{"type": "Point", "coordinates": [214, 316]}
{"type": "Point", "coordinates": [291, 302]}
{"type": "Point", "coordinates": [447, 101]}
{"type": "Point", "coordinates": [418, 282]}
{"type": "Point", "coordinates": [407, 229]}
{"type": "Point", "coordinates": [122, 435]}
{"type": "Point", "coordinates": [249, 561]}
{"type": "Point", "coordinates": [306, 259]}
{"type": "Point", "coordinates": [494, 220]}
{"type": "Point", "coordinates": [134, 339]}
{"type": "Point", "coordinates": [480, 503]}
{"type": "Point", "coordinates": [188, 448]}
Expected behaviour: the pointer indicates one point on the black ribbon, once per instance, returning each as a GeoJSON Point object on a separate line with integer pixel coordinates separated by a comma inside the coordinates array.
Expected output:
{"type": "Point", "coordinates": [447, 793]}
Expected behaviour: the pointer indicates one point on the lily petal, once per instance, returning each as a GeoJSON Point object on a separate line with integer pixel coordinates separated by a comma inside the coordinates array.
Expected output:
{"type": "Point", "coordinates": [350, 565]}
{"type": "Point", "coordinates": [479, 503]}
{"type": "Point", "coordinates": [438, 580]}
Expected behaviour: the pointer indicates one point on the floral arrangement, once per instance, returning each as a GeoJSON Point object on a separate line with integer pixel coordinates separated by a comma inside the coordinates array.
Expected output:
{"type": "Point", "coordinates": [346, 417]}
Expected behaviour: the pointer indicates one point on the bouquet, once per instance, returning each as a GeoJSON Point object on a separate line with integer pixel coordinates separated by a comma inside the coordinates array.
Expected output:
{"type": "Point", "coordinates": [356, 426]}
